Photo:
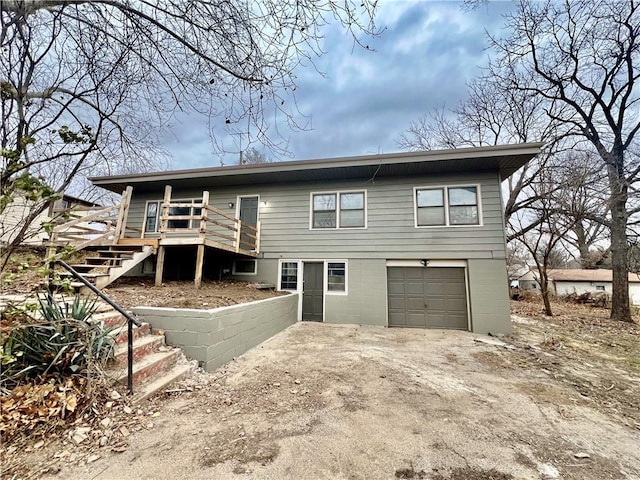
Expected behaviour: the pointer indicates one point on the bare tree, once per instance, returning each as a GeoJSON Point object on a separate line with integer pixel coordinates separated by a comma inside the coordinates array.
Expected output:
{"type": "Point", "coordinates": [88, 86]}
{"type": "Point", "coordinates": [544, 242]}
{"type": "Point", "coordinates": [582, 57]}
{"type": "Point", "coordinates": [253, 156]}
{"type": "Point", "coordinates": [492, 115]}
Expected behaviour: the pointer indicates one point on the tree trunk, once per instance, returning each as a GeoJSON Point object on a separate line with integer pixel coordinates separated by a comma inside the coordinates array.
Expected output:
{"type": "Point", "coordinates": [620, 309]}
{"type": "Point", "coordinates": [619, 244]}
{"type": "Point", "coordinates": [544, 290]}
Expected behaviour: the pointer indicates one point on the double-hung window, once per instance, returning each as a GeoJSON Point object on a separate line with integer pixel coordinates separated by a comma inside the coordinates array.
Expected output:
{"type": "Point", "coordinates": [151, 217]}
{"type": "Point", "coordinates": [289, 276]}
{"type": "Point", "coordinates": [338, 210]}
{"type": "Point", "coordinates": [443, 206]}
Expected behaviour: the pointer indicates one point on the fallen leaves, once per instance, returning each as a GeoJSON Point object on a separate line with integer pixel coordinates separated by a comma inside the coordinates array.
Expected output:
{"type": "Point", "coordinates": [29, 406]}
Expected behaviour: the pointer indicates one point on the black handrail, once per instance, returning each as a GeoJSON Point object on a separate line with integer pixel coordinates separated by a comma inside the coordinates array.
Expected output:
{"type": "Point", "coordinates": [131, 321]}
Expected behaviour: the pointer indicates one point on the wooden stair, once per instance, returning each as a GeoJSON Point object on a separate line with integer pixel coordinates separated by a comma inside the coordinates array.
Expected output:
{"type": "Point", "coordinates": [155, 364]}
{"type": "Point", "coordinates": [109, 263]}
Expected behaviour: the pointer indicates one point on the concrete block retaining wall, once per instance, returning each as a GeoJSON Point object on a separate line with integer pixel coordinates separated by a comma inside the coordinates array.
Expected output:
{"type": "Point", "coordinates": [214, 337]}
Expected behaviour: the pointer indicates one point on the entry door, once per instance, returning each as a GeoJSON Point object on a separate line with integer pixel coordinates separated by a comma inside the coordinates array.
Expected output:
{"type": "Point", "coordinates": [312, 291]}
{"type": "Point", "coordinates": [427, 297]}
{"type": "Point", "coordinates": [248, 216]}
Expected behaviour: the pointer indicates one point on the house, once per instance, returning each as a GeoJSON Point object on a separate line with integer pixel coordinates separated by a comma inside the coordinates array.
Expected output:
{"type": "Point", "coordinates": [563, 282]}
{"type": "Point", "coordinates": [399, 240]}
{"type": "Point", "coordinates": [17, 211]}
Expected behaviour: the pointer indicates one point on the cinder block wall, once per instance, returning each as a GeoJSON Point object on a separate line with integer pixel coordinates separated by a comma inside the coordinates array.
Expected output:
{"type": "Point", "coordinates": [214, 337]}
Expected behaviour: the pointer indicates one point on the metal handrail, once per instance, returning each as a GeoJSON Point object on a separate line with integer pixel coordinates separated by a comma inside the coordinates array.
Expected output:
{"type": "Point", "coordinates": [131, 321]}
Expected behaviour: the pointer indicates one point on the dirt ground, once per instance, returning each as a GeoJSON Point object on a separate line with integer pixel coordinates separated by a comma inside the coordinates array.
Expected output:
{"type": "Point", "coordinates": [136, 292]}
{"type": "Point", "coordinates": [560, 398]}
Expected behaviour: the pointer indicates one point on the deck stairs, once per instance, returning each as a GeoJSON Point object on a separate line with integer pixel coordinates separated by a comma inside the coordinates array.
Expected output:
{"type": "Point", "coordinates": [155, 364]}
{"type": "Point", "coordinates": [103, 266]}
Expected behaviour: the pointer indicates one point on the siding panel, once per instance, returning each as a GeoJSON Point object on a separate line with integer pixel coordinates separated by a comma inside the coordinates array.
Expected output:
{"type": "Point", "coordinates": [390, 231]}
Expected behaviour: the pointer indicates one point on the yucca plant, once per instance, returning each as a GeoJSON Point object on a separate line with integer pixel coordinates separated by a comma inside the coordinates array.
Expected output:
{"type": "Point", "coordinates": [62, 343]}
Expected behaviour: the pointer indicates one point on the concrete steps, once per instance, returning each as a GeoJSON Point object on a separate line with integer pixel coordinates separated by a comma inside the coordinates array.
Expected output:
{"type": "Point", "coordinates": [155, 364]}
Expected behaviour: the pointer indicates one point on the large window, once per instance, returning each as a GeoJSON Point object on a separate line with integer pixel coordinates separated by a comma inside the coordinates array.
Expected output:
{"type": "Point", "coordinates": [289, 276]}
{"type": "Point", "coordinates": [338, 210]}
{"type": "Point", "coordinates": [447, 206]}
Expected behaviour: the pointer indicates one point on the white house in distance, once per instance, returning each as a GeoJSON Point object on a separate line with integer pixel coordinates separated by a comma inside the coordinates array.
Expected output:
{"type": "Point", "coordinates": [13, 217]}
{"type": "Point", "coordinates": [563, 282]}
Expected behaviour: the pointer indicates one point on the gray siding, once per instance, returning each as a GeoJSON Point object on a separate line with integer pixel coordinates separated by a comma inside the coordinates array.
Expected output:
{"type": "Point", "coordinates": [489, 295]}
{"type": "Point", "coordinates": [390, 232]}
{"type": "Point", "coordinates": [366, 301]}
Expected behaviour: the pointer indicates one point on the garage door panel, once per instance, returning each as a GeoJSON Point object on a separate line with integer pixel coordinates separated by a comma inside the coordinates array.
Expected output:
{"type": "Point", "coordinates": [427, 297]}
{"type": "Point", "coordinates": [396, 288]}
{"type": "Point", "coordinates": [416, 319]}
{"type": "Point", "coordinates": [396, 303]}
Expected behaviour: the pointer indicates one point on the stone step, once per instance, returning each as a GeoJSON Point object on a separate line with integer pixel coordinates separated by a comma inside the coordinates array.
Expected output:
{"type": "Point", "coordinates": [142, 346]}
{"type": "Point", "coordinates": [111, 318]}
{"type": "Point", "coordinates": [120, 333]}
{"type": "Point", "coordinates": [161, 382]}
{"type": "Point", "coordinates": [148, 366]}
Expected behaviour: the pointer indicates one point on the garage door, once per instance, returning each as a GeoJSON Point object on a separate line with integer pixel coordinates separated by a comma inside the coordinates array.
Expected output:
{"type": "Point", "coordinates": [427, 297]}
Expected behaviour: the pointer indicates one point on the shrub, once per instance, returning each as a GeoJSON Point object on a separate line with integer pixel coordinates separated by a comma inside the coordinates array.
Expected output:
{"type": "Point", "coordinates": [63, 342]}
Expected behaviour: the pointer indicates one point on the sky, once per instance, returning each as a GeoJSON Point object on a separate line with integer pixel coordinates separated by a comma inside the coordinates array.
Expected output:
{"type": "Point", "coordinates": [426, 55]}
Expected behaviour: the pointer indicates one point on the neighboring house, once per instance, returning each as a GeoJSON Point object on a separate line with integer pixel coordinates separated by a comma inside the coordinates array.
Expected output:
{"type": "Point", "coordinates": [563, 282]}
{"type": "Point", "coordinates": [18, 210]}
{"type": "Point", "coordinates": [408, 239]}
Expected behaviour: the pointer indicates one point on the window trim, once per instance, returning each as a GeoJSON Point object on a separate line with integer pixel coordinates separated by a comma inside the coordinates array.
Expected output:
{"type": "Point", "coordinates": [145, 217]}
{"type": "Point", "coordinates": [255, 266]}
{"type": "Point", "coordinates": [193, 201]}
{"type": "Point", "coordinates": [445, 189]}
{"type": "Point", "coordinates": [326, 278]}
{"type": "Point", "coordinates": [298, 265]}
{"type": "Point", "coordinates": [337, 193]}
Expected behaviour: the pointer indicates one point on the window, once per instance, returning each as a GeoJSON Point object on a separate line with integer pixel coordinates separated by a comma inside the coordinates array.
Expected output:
{"type": "Point", "coordinates": [289, 276]}
{"type": "Point", "coordinates": [600, 288]}
{"type": "Point", "coordinates": [338, 210]}
{"type": "Point", "coordinates": [336, 277]}
{"type": "Point", "coordinates": [245, 267]}
{"type": "Point", "coordinates": [185, 211]}
{"type": "Point", "coordinates": [151, 217]}
{"type": "Point", "coordinates": [447, 206]}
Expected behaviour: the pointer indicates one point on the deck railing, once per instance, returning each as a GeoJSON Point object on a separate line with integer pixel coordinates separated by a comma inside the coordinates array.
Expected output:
{"type": "Point", "coordinates": [207, 223]}
{"type": "Point", "coordinates": [82, 226]}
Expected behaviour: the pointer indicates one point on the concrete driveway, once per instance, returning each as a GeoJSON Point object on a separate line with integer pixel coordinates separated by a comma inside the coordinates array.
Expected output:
{"type": "Point", "coordinates": [344, 402]}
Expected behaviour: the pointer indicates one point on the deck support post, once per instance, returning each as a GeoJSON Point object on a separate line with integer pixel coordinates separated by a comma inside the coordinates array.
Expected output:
{"type": "Point", "coordinates": [159, 266]}
{"type": "Point", "coordinates": [199, 264]}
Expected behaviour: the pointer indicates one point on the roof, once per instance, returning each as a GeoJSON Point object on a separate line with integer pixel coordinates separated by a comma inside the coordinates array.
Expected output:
{"type": "Point", "coordinates": [80, 201]}
{"type": "Point", "coordinates": [577, 275]}
{"type": "Point", "coordinates": [505, 159]}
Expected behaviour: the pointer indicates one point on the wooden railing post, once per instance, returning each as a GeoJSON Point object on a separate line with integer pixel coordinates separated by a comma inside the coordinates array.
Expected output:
{"type": "Point", "coordinates": [257, 237]}
{"type": "Point", "coordinates": [121, 223]}
{"type": "Point", "coordinates": [238, 234]}
{"type": "Point", "coordinates": [203, 218]}
{"type": "Point", "coordinates": [165, 211]}
{"type": "Point", "coordinates": [163, 234]}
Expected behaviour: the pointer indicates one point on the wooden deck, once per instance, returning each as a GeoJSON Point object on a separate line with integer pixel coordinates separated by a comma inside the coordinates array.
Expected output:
{"type": "Point", "coordinates": [180, 224]}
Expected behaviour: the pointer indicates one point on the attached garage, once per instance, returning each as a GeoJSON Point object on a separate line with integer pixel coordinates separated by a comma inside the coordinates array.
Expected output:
{"type": "Point", "coordinates": [427, 297]}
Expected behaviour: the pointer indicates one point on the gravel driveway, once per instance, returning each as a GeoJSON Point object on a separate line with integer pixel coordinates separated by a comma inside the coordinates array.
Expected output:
{"type": "Point", "coordinates": [344, 402]}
